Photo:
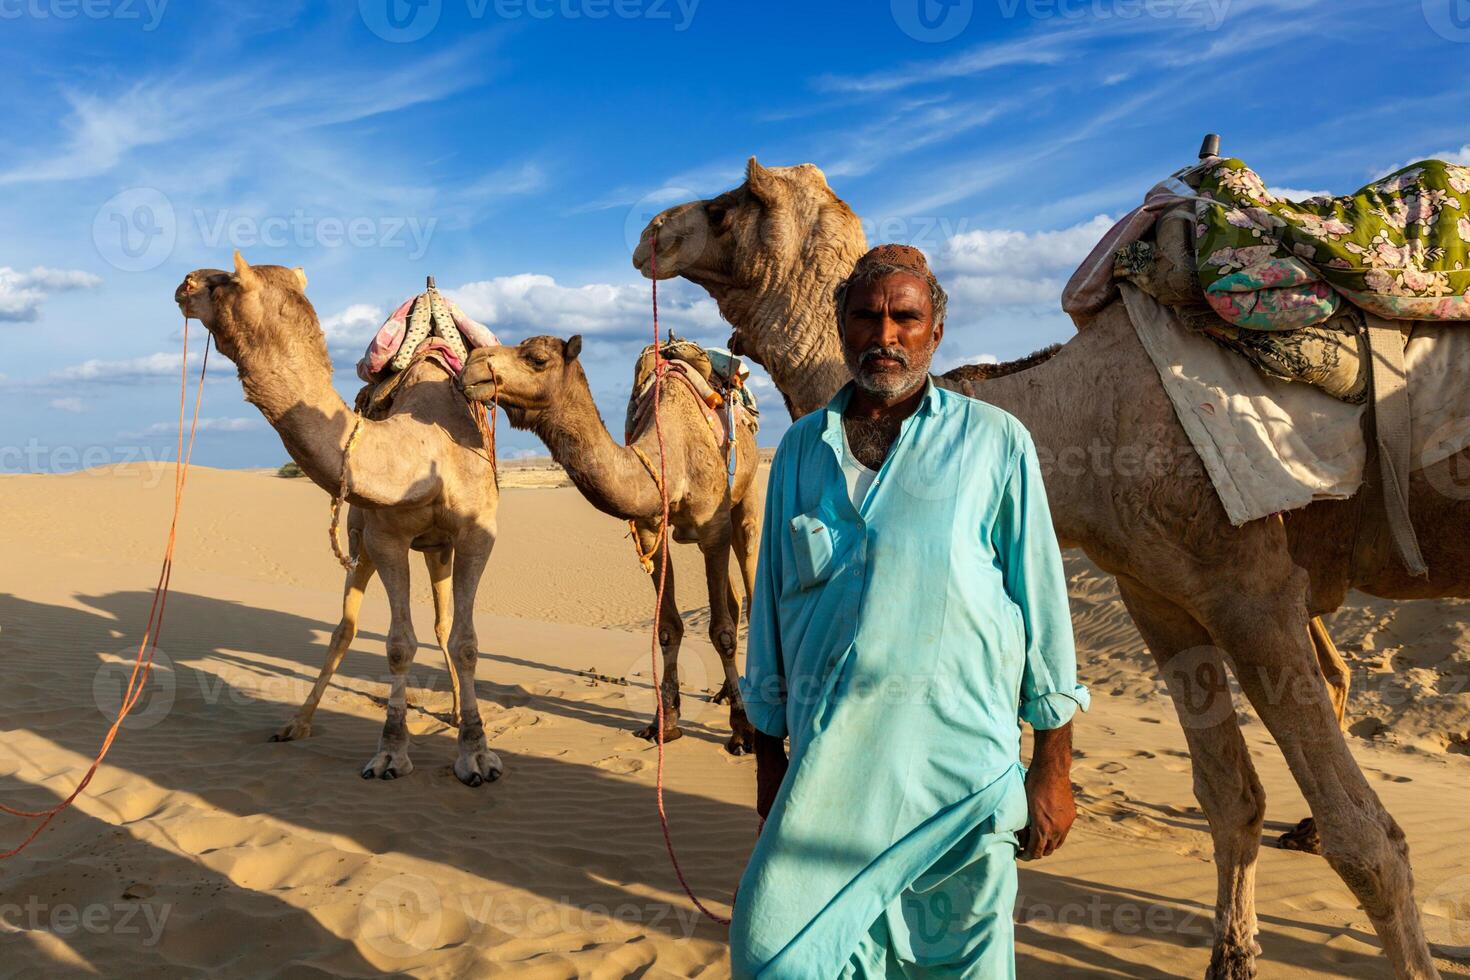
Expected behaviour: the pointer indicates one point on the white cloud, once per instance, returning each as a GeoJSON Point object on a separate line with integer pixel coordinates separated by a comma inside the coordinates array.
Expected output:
{"type": "Point", "coordinates": [74, 406]}
{"type": "Point", "coordinates": [995, 267]}
{"type": "Point", "coordinates": [1460, 156]}
{"type": "Point", "coordinates": [943, 364]}
{"type": "Point", "coordinates": [353, 326]}
{"type": "Point", "coordinates": [23, 293]}
{"type": "Point", "coordinates": [528, 304]}
{"type": "Point", "coordinates": [235, 424]}
{"type": "Point", "coordinates": [1295, 194]}
{"type": "Point", "coordinates": [133, 370]}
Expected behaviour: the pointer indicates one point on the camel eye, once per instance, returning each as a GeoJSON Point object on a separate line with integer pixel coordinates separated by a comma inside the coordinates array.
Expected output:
{"type": "Point", "coordinates": [538, 361]}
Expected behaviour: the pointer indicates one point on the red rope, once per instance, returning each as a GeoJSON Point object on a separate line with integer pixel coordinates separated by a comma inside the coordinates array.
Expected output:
{"type": "Point", "coordinates": [143, 664]}
{"type": "Point", "coordinates": [663, 572]}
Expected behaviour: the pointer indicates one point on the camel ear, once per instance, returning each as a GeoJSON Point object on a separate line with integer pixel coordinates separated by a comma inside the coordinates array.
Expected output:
{"type": "Point", "coordinates": [572, 348]}
{"type": "Point", "coordinates": [300, 277]}
{"type": "Point", "coordinates": [245, 276]}
{"type": "Point", "coordinates": [762, 183]}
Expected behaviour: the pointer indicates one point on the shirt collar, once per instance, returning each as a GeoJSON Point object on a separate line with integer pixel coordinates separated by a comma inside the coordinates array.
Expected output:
{"type": "Point", "coordinates": [832, 430]}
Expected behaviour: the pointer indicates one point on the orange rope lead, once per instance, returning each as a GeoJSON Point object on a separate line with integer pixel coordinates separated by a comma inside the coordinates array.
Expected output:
{"type": "Point", "coordinates": [663, 572]}
{"type": "Point", "coordinates": [143, 664]}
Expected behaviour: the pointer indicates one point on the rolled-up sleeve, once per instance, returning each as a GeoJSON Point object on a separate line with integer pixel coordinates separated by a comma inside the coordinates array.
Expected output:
{"type": "Point", "coordinates": [1031, 563]}
{"type": "Point", "coordinates": [763, 687]}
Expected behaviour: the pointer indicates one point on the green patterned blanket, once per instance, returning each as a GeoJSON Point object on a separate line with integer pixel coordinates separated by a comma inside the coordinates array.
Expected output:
{"type": "Point", "coordinates": [1399, 247]}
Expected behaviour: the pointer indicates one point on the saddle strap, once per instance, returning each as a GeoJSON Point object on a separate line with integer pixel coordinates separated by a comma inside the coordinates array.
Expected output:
{"type": "Point", "coordinates": [1391, 435]}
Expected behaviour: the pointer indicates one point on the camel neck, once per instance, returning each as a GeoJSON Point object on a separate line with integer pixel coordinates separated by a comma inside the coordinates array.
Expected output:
{"type": "Point", "coordinates": [610, 476]}
{"type": "Point", "coordinates": [791, 331]}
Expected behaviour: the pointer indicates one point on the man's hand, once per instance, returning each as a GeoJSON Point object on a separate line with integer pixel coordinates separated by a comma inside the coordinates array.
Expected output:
{"type": "Point", "coordinates": [770, 769]}
{"type": "Point", "coordinates": [1049, 794]}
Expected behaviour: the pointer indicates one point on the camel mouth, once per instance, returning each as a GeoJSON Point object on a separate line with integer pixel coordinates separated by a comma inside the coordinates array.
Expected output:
{"type": "Point", "coordinates": [480, 391]}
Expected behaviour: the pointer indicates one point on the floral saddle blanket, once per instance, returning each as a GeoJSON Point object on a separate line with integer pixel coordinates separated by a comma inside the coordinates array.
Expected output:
{"type": "Point", "coordinates": [1398, 248]}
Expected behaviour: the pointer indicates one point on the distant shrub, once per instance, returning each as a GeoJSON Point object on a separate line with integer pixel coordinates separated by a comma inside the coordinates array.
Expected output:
{"type": "Point", "coordinates": [289, 472]}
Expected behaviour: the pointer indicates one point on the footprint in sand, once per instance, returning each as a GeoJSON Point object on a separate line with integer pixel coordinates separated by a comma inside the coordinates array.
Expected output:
{"type": "Point", "coordinates": [621, 764]}
{"type": "Point", "coordinates": [1112, 767]}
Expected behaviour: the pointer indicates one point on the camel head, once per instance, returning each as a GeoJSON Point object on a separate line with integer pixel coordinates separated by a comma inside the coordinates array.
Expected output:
{"type": "Point", "coordinates": [251, 308]}
{"type": "Point", "coordinates": [761, 236]}
{"type": "Point", "coordinates": [527, 379]}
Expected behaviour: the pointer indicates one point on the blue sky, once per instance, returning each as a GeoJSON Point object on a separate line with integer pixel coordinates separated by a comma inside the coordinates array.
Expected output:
{"type": "Point", "coordinates": [513, 148]}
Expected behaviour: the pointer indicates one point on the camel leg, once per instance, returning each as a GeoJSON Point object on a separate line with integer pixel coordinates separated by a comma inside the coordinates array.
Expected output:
{"type": "Point", "coordinates": [391, 556]}
{"type": "Point", "coordinates": [342, 636]}
{"type": "Point", "coordinates": [1266, 635]}
{"type": "Point", "coordinates": [441, 566]}
{"type": "Point", "coordinates": [1225, 781]}
{"type": "Point", "coordinates": [476, 764]}
{"type": "Point", "coordinates": [1304, 836]}
{"type": "Point", "coordinates": [745, 537]}
{"type": "Point", "coordinates": [724, 624]}
{"type": "Point", "coordinates": [670, 628]}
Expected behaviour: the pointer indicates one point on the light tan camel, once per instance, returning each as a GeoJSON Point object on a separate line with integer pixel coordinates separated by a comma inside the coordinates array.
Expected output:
{"type": "Point", "coordinates": [420, 477]}
{"type": "Point", "coordinates": [541, 386]}
{"type": "Point", "coordinates": [1126, 486]}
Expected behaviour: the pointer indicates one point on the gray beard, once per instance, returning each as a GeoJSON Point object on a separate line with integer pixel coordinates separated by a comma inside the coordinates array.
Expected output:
{"type": "Point", "coordinates": [889, 384]}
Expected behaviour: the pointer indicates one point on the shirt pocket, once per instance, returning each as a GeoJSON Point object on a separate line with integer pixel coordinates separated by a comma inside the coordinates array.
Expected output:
{"type": "Point", "coordinates": [811, 543]}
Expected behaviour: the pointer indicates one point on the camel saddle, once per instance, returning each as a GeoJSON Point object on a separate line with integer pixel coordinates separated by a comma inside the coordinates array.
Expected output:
{"type": "Point", "coordinates": [716, 379]}
{"type": "Point", "coordinates": [1315, 292]}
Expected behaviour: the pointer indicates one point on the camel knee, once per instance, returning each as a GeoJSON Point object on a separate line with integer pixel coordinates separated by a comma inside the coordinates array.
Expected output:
{"type": "Point", "coordinates": [671, 632]}
{"type": "Point", "coordinates": [466, 654]}
{"type": "Point", "coordinates": [1371, 855]}
{"type": "Point", "coordinates": [400, 655]}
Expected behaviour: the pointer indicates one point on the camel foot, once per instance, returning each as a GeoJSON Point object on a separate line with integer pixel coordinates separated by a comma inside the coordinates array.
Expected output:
{"type": "Point", "coordinates": [1302, 837]}
{"type": "Point", "coordinates": [296, 729]}
{"type": "Point", "coordinates": [474, 768]}
{"type": "Point", "coordinates": [739, 744]}
{"type": "Point", "coordinates": [388, 765]}
{"type": "Point", "coordinates": [649, 733]}
{"type": "Point", "coordinates": [725, 694]}
{"type": "Point", "coordinates": [1233, 963]}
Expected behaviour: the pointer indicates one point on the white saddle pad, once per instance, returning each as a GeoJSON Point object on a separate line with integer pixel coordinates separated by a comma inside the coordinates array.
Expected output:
{"type": "Point", "coordinates": [1272, 445]}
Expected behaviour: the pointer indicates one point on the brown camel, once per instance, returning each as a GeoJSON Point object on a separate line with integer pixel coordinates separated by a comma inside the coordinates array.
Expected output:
{"type": "Point", "coordinates": [1126, 486]}
{"type": "Point", "coordinates": [542, 387]}
{"type": "Point", "coordinates": [420, 477]}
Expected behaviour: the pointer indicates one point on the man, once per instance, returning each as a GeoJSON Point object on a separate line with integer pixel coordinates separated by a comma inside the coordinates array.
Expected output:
{"type": "Point", "coordinates": [909, 608]}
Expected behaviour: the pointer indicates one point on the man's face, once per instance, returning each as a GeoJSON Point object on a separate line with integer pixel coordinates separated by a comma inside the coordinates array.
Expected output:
{"type": "Point", "coordinates": [888, 334]}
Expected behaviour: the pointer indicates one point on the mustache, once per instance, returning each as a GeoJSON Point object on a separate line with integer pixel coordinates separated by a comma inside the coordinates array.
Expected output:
{"type": "Point", "coordinates": [890, 353]}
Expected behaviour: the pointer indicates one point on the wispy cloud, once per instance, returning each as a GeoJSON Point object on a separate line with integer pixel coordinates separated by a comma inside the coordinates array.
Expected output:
{"type": "Point", "coordinates": [23, 293]}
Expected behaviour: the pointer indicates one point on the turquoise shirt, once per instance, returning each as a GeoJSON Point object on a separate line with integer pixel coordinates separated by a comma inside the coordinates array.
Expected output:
{"type": "Point", "coordinates": [898, 645]}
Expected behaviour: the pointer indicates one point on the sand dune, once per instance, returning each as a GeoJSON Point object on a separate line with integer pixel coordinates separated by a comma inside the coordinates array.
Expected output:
{"type": "Point", "coordinates": [201, 847]}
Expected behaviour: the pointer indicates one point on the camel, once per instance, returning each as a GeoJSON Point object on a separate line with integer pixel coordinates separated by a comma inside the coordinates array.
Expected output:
{"type": "Point", "coordinates": [420, 480]}
{"type": "Point", "coordinates": [1126, 486]}
{"type": "Point", "coordinates": [541, 386]}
